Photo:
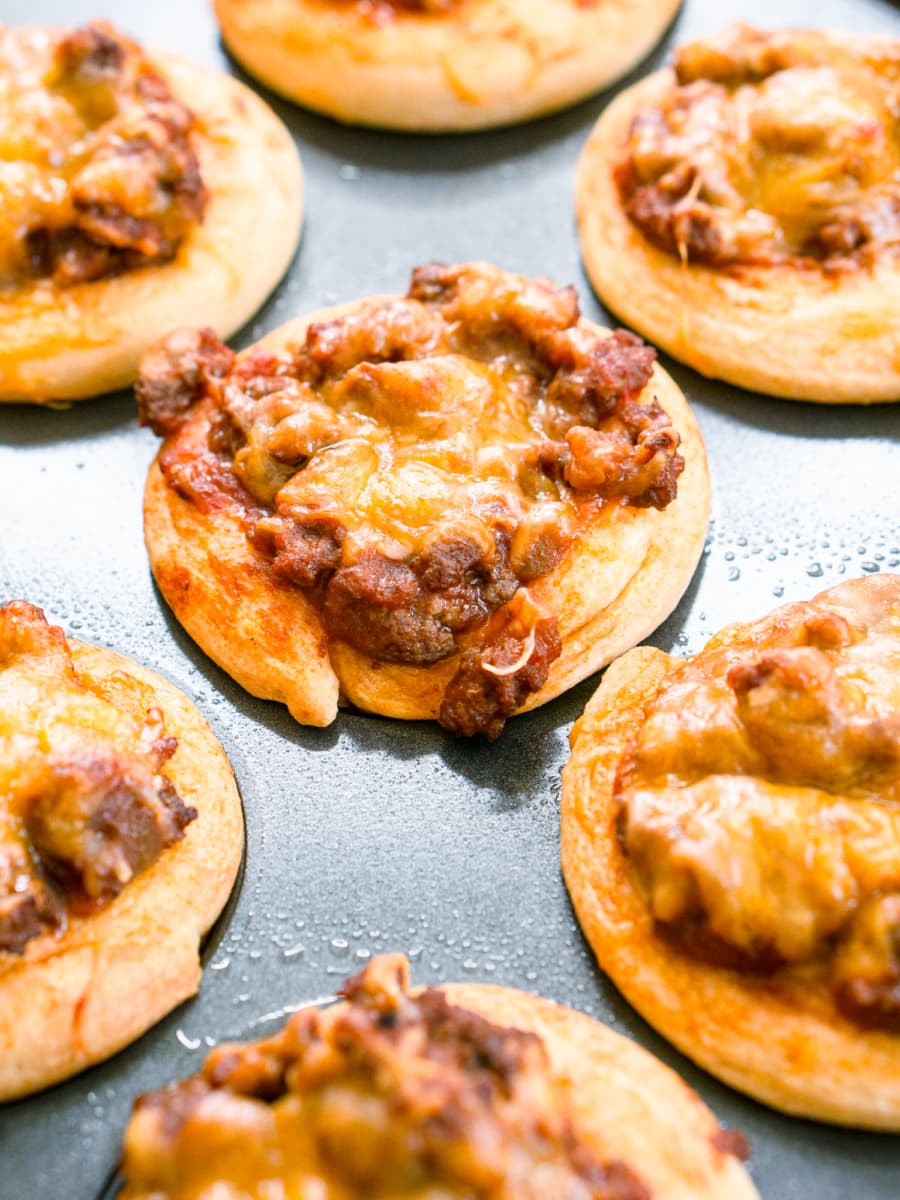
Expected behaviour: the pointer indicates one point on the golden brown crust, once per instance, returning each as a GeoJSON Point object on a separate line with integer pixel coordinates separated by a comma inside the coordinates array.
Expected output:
{"type": "Point", "coordinates": [63, 344]}
{"type": "Point", "coordinates": [785, 329]}
{"type": "Point", "coordinates": [620, 578]}
{"type": "Point", "coordinates": [478, 65]}
{"type": "Point", "coordinates": [812, 1061]}
{"type": "Point", "coordinates": [73, 1000]}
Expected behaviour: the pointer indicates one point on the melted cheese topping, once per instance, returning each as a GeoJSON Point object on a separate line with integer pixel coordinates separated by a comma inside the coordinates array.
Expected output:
{"type": "Point", "coordinates": [787, 144]}
{"type": "Point", "coordinates": [761, 796]}
{"type": "Point", "coordinates": [41, 131]}
{"type": "Point", "coordinates": [411, 446]}
{"type": "Point", "coordinates": [93, 149]}
{"type": "Point", "coordinates": [58, 728]}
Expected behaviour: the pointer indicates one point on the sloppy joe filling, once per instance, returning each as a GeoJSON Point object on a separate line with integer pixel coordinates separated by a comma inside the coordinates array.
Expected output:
{"type": "Point", "coordinates": [769, 148]}
{"type": "Point", "coordinates": [760, 801]}
{"type": "Point", "coordinates": [387, 1096]}
{"type": "Point", "coordinates": [97, 171]}
{"type": "Point", "coordinates": [84, 806]}
{"type": "Point", "coordinates": [415, 464]}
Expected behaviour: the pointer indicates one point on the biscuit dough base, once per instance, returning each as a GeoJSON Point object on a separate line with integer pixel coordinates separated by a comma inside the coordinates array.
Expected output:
{"type": "Point", "coordinates": [489, 63]}
{"type": "Point", "coordinates": [63, 344]}
{"type": "Point", "coordinates": [625, 1103]}
{"type": "Point", "coordinates": [784, 330]}
{"type": "Point", "coordinates": [791, 1050]}
{"type": "Point", "coordinates": [71, 1001]}
{"type": "Point", "coordinates": [617, 582]}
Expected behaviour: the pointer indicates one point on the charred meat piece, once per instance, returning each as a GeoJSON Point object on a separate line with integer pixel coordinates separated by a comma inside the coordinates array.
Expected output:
{"type": "Point", "coordinates": [175, 375]}
{"type": "Point", "coordinates": [866, 972]}
{"type": "Point", "coordinates": [492, 682]}
{"type": "Point", "coordinates": [96, 820]}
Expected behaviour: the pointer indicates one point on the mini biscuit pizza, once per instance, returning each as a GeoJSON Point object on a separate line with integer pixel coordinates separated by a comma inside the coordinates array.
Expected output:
{"type": "Point", "coordinates": [440, 65]}
{"type": "Point", "coordinates": [467, 1092]}
{"type": "Point", "coordinates": [135, 189]}
{"type": "Point", "coordinates": [120, 837]}
{"type": "Point", "coordinates": [743, 211]}
{"type": "Point", "coordinates": [731, 842]}
{"type": "Point", "coordinates": [453, 504]}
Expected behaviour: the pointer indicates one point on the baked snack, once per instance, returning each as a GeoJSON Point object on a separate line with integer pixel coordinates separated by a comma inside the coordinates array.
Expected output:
{"type": "Point", "coordinates": [469, 1091]}
{"type": "Point", "coordinates": [440, 65]}
{"type": "Point", "coordinates": [120, 838]}
{"type": "Point", "coordinates": [731, 842]}
{"type": "Point", "coordinates": [743, 212]}
{"type": "Point", "coordinates": [135, 190]}
{"type": "Point", "coordinates": [450, 505]}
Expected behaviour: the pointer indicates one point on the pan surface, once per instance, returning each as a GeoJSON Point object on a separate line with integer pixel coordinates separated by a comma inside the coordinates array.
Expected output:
{"type": "Point", "coordinates": [375, 835]}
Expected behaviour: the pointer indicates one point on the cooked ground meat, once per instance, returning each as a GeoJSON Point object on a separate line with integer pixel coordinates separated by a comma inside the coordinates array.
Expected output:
{"type": "Point", "coordinates": [389, 332]}
{"type": "Point", "coordinates": [29, 906]}
{"type": "Point", "coordinates": [770, 147]}
{"type": "Point", "coordinates": [866, 971]}
{"type": "Point", "coordinates": [373, 606]}
{"type": "Point", "coordinates": [409, 612]}
{"type": "Point", "coordinates": [478, 699]}
{"type": "Point", "coordinates": [176, 374]}
{"type": "Point", "coordinates": [632, 454]}
{"type": "Point", "coordinates": [96, 820]}
{"type": "Point", "coordinates": [304, 553]}
{"type": "Point", "coordinates": [413, 464]}
{"type": "Point", "coordinates": [386, 1093]}
{"type": "Point", "coordinates": [593, 378]}
{"type": "Point", "coordinates": [80, 814]}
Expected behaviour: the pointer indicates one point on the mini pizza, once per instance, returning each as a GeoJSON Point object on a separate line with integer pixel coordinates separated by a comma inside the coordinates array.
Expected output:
{"type": "Point", "coordinates": [743, 212]}
{"type": "Point", "coordinates": [453, 504]}
{"type": "Point", "coordinates": [440, 65]}
{"type": "Point", "coordinates": [135, 189]}
{"type": "Point", "coordinates": [120, 838]}
{"type": "Point", "coordinates": [464, 1091]}
{"type": "Point", "coordinates": [731, 842]}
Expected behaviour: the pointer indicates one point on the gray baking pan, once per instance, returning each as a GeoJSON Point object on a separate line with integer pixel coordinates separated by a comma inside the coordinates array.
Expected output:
{"type": "Point", "coordinates": [377, 835]}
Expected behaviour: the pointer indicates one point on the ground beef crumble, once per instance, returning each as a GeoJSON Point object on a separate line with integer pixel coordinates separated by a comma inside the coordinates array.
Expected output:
{"type": "Point", "coordinates": [78, 824]}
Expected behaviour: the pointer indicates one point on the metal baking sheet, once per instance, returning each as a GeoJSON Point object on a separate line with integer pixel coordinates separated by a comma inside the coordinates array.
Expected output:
{"type": "Point", "coordinates": [372, 834]}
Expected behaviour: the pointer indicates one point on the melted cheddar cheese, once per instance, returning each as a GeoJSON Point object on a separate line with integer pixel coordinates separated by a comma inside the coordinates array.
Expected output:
{"type": "Point", "coordinates": [771, 147]}
{"type": "Point", "coordinates": [760, 800]}
{"type": "Point", "coordinates": [83, 806]}
{"type": "Point", "coordinates": [96, 173]}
